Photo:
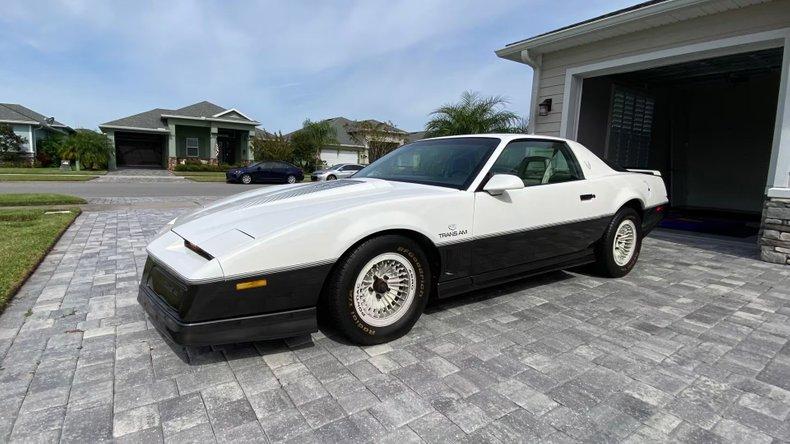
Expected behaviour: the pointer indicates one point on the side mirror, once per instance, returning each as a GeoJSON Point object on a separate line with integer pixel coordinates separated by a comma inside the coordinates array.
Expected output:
{"type": "Point", "coordinates": [500, 183]}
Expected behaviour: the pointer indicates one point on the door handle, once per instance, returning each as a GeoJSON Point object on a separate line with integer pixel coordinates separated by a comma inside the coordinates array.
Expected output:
{"type": "Point", "coordinates": [587, 197]}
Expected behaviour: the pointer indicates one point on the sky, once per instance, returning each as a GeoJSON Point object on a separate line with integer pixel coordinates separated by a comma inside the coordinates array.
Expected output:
{"type": "Point", "coordinates": [279, 62]}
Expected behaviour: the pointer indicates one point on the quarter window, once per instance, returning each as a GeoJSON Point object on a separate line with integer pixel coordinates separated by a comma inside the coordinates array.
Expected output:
{"type": "Point", "coordinates": [193, 146]}
{"type": "Point", "coordinates": [538, 162]}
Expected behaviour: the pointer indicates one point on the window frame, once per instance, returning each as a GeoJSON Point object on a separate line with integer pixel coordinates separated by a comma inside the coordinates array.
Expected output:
{"type": "Point", "coordinates": [196, 147]}
{"type": "Point", "coordinates": [573, 162]}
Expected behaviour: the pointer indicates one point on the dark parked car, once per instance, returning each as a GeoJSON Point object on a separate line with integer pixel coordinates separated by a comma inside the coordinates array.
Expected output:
{"type": "Point", "coordinates": [266, 171]}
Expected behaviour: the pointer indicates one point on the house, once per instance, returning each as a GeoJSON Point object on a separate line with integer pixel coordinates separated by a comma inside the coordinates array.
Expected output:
{"type": "Point", "coordinates": [161, 138]}
{"type": "Point", "coordinates": [415, 136]}
{"type": "Point", "coordinates": [30, 125]}
{"type": "Point", "coordinates": [361, 141]}
{"type": "Point", "coordinates": [697, 89]}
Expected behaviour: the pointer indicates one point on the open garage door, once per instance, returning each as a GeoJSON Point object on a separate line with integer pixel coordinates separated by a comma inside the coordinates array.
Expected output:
{"type": "Point", "coordinates": [707, 125]}
{"type": "Point", "coordinates": [140, 150]}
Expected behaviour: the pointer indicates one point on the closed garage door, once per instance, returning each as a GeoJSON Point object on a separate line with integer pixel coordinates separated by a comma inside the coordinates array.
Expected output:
{"type": "Point", "coordinates": [139, 150]}
{"type": "Point", "coordinates": [332, 156]}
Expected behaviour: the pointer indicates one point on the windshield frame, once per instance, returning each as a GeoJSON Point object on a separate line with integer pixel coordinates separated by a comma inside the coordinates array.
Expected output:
{"type": "Point", "coordinates": [484, 160]}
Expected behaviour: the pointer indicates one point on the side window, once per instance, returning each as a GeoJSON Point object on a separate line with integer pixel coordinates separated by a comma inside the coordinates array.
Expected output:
{"type": "Point", "coordinates": [538, 162]}
{"type": "Point", "coordinates": [354, 167]}
{"type": "Point", "coordinates": [268, 165]}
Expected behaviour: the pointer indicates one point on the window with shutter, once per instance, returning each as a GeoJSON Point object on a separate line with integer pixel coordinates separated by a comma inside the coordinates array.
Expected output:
{"type": "Point", "coordinates": [630, 127]}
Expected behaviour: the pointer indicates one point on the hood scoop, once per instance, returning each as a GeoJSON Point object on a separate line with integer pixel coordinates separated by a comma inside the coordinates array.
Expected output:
{"type": "Point", "coordinates": [288, 193]}
{"type": "Point", "coordinates": [300, 190]}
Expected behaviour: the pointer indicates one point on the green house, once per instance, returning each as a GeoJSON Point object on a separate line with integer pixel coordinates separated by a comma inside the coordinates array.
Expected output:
{"type": "Point", "coordinates": [162, 138]}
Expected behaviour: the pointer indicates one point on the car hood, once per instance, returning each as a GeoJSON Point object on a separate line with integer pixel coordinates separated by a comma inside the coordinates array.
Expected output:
{"type": "Point", "coordinates": [245, 217]}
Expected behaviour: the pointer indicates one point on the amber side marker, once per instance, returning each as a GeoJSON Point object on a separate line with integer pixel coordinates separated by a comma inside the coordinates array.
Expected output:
{"type": "Point", "coordinates": [251, 284]}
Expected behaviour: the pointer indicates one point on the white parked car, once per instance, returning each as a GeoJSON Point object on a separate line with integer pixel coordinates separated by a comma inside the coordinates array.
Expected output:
{"type": "Point", "coordinates": [437, 217]}
{"type": "Point", "coordinates": [334, 172]}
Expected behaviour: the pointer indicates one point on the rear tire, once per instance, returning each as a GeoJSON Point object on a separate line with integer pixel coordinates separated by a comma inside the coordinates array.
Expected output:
{"type": "Point", "coordinates": [618, 250]}
{"type": "Point", "coordinates": [378, 291]}
{"type": "Point", "coordinates": [246, 179]}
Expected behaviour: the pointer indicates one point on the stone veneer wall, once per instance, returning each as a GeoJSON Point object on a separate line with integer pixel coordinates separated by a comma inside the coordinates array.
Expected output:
{"type": "Point", "coordinates": [775, 232]}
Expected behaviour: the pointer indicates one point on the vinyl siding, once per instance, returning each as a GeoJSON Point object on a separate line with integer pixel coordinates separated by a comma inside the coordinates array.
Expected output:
{"type": "Point", "coordinates": [748, 20]}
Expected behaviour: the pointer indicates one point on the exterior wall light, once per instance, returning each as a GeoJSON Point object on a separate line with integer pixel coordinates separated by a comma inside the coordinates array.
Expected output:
{"type": "Point", "coordinates": [544, 108]}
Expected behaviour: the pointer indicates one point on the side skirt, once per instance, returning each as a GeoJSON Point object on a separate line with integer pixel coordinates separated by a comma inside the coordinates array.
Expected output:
{"type": "Point", "coordinates": [462, 285]}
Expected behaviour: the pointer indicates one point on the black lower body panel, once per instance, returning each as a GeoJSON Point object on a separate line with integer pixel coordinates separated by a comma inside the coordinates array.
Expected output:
{"type": "Point", "coordinates": [652, 217]}
{"type": "Point", "coordinates": [219, 312]}
{"type": "Point", "coordinates": [225, 331]}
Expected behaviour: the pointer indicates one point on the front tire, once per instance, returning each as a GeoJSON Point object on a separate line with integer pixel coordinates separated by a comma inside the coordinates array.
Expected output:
{"type": "Point", "coordinates": [331, 177]}
{"type": "Point", "coordinates": [291, 179]}
{"type": "Point", "coordinates": [618, 250]}
{"type": "Point", "coordinates": [378, 291]}
{"type": "Point", "coordinates": [246, 179]}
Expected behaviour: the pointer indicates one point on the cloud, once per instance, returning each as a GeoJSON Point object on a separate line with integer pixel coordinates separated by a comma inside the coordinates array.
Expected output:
{"type": "Point", "coordinates": [92, 61]}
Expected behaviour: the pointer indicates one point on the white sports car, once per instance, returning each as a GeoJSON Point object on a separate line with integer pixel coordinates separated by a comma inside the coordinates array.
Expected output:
{"type": "Point", "coordinates": [434, 218]}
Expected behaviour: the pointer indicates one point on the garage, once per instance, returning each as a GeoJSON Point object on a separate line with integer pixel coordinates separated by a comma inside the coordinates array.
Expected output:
{"type": "Point", "coordinates": [333, 156]}
{"type": "Point", "coordinates": [697, 89]}
{"type": "Point", "coordinates": [706, 124]}
{"type": "Point", "coordinates": [141, 150]}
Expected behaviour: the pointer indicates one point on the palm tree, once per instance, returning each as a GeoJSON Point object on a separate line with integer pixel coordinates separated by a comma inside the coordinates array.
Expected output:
{"type": "Point", "coordinates": [472, 115]}
{"type": "Point", "coordinates": [308, 141]}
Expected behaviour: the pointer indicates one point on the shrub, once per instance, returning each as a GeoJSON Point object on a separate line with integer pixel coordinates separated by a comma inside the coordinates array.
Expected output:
{"type": "Point", "coordinates": [193, 166]}
{"type": "Point", "coordinates": [92, 149]}
{"type": "Point", "coordinates": [48, 150]}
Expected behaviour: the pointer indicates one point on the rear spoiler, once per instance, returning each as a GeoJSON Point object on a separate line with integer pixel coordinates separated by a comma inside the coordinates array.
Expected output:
{"type": "Point", "coordinates": [650, 172]}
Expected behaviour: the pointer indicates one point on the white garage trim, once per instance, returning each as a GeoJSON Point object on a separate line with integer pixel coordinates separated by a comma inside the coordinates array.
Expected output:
{"type": "Point", "coordinates": [779, 167]}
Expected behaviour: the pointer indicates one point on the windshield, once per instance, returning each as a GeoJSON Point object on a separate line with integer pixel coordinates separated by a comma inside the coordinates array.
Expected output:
{"type": "Point", "coordinates": [450, 163]}
{"type": "Point", "coordinates": [334, 167]}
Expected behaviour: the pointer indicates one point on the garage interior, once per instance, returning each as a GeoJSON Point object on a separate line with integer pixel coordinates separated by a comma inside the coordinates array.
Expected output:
{"type": "Point", "coordinates": [707, 125]}
{"type": "Point", "coordinates": [140, 150]}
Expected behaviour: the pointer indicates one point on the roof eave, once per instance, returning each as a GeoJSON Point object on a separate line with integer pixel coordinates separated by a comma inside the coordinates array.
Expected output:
{"type": "Point", "coordinates": [211, 119]}
{"type": "Point", "coordinates": [533, 45]}
{"type": "Point", "coordinates": [133, 128]}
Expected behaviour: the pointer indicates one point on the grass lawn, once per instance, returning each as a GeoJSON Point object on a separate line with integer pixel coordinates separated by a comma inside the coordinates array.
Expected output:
{"type": "Point", "coordinates": [4, 170]}
{"type": "Point", "coordinates": [24, 199]}
{"type": "Point", "coordinates": [202, 176]}
{"type": "Point", "coordinates": [45, 178]}
{"type": "Point", "coordinates": [28, 235]}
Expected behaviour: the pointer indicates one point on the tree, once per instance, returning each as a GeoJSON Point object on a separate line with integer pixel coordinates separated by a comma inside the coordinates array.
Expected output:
{"type": "Point", "coordinates": [10, 143]}
{"type": "Point", "coordinates": [380, 137]}
{"type": "Point", "coordinates": [276, 147]}
{"type": "Point", "coordinates": [48, 150]}
{"type": "Point", "coordinates": [308, 141]}
{"type": "Point", "coordinates": [472, 115]}
{"type": "Point", "coordinates": [91, 149]}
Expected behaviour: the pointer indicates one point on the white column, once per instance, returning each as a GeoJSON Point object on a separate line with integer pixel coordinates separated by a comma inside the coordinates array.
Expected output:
{"type": "Point", "coordinates": [779, 168]}
{"type": "Point", "coordinates": [212, 146]}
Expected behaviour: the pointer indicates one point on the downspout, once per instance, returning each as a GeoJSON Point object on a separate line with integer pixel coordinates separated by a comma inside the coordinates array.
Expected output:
{"type": "Point", "coordinates": [534, 61]}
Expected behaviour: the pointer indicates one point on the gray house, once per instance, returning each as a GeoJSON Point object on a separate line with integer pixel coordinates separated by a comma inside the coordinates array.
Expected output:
{"type": "Point", "coordinates": [161, 138]}
{"type": "Point", "coordinates": [697, 89]}
{"type": "Point", "coordinates": [30, 125]}
{"type": "Point", "coordinates": [361, 141]}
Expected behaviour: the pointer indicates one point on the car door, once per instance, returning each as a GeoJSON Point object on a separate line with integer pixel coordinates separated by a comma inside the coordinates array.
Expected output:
{"type": "Point", "coordinates": [555, 216]}
{"type": "Point", "coordinates": [351, 169]}
{"type": "Point", "coordinates": [264, 172]}
{"type": "Point", "coordinates": [346, 171]}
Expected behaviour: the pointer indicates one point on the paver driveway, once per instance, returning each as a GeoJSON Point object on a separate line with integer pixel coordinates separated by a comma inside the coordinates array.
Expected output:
{"type": "Point", "coordinates": [693, 345]}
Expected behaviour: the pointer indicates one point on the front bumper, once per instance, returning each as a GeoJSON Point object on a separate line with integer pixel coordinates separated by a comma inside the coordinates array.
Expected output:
{"type": "Point", "coordinates": [225, 331]}
{"type": "Point", "coordinates": [218, 313]}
